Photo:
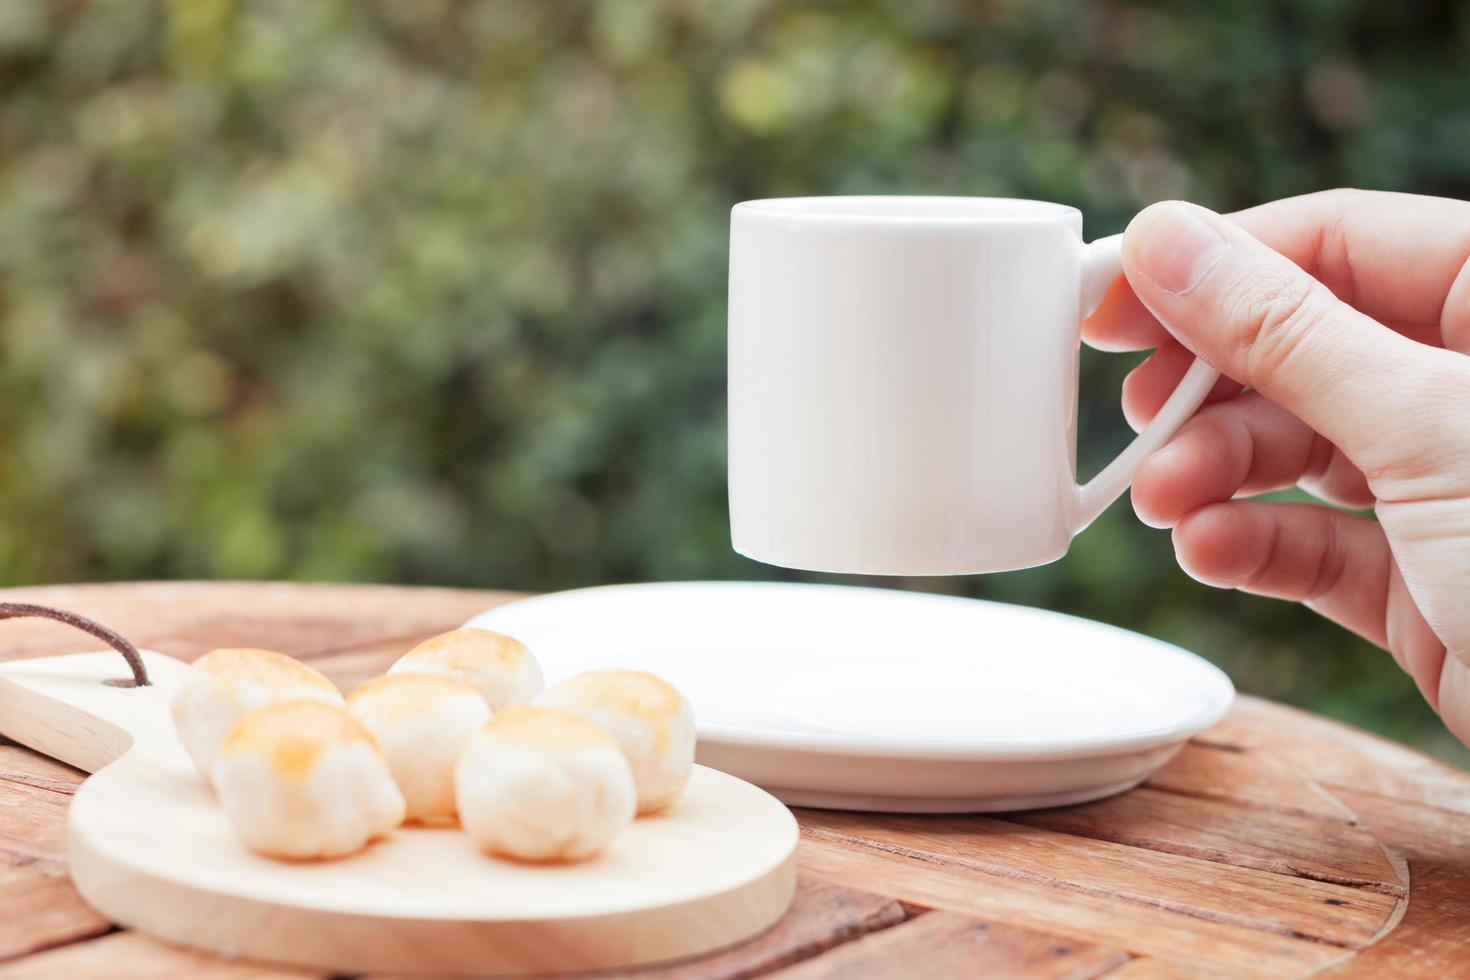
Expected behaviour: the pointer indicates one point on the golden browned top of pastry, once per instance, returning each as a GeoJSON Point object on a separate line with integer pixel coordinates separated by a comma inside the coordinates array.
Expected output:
{"type": "Point", "coordinates": [464, 648]}
{"type": "Point", "coordinates": [264, 667]}
{"type": "Point", "coordinates": [546, 728]}
{"type": "Point", "coordinates": [293, 735]}
{"type": "Point", "coordinates": [396, 696]}
{"type": "Point", "coordinates": [631, 692]}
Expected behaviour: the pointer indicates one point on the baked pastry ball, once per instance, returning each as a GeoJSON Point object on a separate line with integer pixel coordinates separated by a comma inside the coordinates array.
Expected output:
{"type": "Point", "coordinates": [542, 785]}
{"type": "Point", "coordinates": [421, 722]}
{"type": "Point", "coordinates": [499, 667]}
{"type": "Point", "coordinates": [652, 722]}
{"type": "Point", "coordinates": [222, 685]}
{"type": "Point", "coordinates": [303, 779]}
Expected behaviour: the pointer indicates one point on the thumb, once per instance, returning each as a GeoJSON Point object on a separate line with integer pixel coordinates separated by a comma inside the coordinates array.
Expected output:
{"type": "Point", "coordinates": [1262, 320]}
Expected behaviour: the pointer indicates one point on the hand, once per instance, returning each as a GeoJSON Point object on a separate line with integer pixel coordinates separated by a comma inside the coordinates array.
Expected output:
{"type": "Point", "coordinates": [1341, 321]}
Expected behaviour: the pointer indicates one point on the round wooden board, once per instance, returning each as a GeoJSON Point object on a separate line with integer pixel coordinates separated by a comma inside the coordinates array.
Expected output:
{"type": "Point", "coordinates": [151, 849]}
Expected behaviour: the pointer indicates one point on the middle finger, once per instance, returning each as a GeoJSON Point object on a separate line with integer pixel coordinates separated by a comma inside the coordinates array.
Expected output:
{"type": "Point", "coordinates": [1247, 445]}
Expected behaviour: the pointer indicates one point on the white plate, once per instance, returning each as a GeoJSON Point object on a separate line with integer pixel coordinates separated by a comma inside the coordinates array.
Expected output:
{"type": "Point", "coordinates": [875, 699]}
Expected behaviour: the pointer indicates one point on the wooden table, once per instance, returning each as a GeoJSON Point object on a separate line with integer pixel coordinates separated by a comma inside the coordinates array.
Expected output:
{"type": "Point", "coordinates": [1276, 844]}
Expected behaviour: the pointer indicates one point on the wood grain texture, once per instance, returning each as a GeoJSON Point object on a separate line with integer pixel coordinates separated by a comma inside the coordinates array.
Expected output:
{"type": "Point", "coordinates": [134, 956]}
{"type": "Point", "coordinates": [1123, 875]}
{"type": "Point", "coordinates": [1330, 849]}
{"type": "Point", "coordinates": [823, 915]}
{"type": "Point", "coordinates": [1147, 968]}
{"type": "Point", "coordinates": [39, 908]}
{"type": "Point", "coordinates": [1177, 937]}
{"type": "Point", "coordinates": [1229, 863]}
{"type": "Point", "coordinates": [942, 944]}
{"type": "Point", "coordinates": [34, 821]}
{"type": "Point", "coordinates": [1327, 751]}
{"type": "Point", "coordinates": [188, 619]}
{"type": "Point", "coordinates": [21, 765]}
{"type": "Point", "coordinates": [1253, 779]}
{"type": "Point", "coordinates": [1431, 940]}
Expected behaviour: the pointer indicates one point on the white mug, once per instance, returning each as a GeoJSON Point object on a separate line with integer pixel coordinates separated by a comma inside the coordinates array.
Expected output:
{"type": "Point", "coordinates": [903, 383]}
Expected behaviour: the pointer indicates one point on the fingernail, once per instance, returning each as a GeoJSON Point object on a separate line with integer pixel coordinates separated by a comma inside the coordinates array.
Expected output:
{"type": "Point", "coordinates": [1179, 248]}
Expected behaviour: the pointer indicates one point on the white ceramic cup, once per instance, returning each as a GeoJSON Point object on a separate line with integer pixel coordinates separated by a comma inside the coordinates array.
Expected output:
{"type": "Point", "coordinates": [903, 383]}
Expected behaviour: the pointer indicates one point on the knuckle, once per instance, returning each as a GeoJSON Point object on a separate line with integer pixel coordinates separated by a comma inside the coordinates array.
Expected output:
{"type": "Point", "coordinates": [1331, 565]}
{"type": "Point", "coordinates": [1321, 455]}
{"type": "Point", "coordinates": [1349, 197]}
{"type": "Point", "coordinates": [1269, 558]}
{"type": "Point", "coordinates": [1273, 315]}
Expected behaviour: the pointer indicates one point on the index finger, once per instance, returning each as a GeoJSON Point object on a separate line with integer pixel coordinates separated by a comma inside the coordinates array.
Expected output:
{"type": "Point", "coordinates": [1402, 259]}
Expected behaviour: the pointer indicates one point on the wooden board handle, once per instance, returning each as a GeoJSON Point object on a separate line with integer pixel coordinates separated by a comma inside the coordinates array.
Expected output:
{"type": "Point", "coordinates": [71, 709]}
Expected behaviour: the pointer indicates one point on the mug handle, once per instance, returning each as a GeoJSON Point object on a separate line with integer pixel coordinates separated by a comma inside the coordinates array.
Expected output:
{"type": "Point", "coordinates": [1102, 262]}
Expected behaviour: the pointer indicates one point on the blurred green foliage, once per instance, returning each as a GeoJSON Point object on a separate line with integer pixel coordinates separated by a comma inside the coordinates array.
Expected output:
{"type": "Point", "coordinates": [426, 291]}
